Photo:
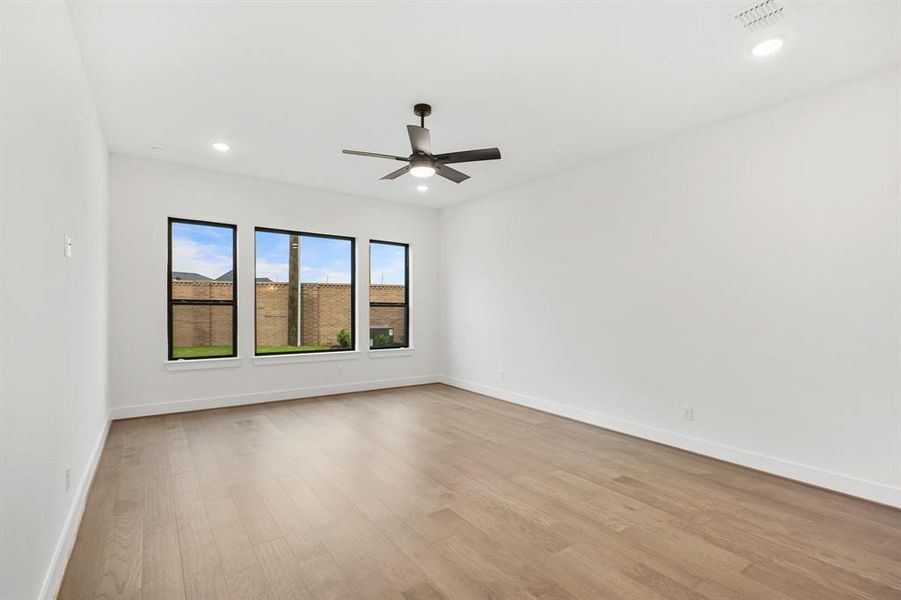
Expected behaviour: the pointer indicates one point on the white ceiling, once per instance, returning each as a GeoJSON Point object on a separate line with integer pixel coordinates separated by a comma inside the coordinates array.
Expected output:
{"type": "Point", "coordinates": [552, 84]}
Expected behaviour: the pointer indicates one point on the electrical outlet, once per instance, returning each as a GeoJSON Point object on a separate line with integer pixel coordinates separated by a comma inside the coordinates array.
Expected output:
{"type": "Point", "coordinates": [340, 370]}
{"type": "Point", "coordinates": [503, 374]}
{"type": "Point", "coordinates": [67, 246]}
{"type": "Point", "coordinates": [688, 413]}
{"type": "Point", "coordinates": [68, 478]}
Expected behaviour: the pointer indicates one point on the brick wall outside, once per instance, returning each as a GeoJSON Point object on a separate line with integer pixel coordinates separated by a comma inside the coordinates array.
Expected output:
{"type": "Point", "coordinates": [202, 290]}
{"type": "Point", "coordinates": [325, 310]}
{"type": "Point", "coordinates": [388, 316]}
{"type": "Point", "coordinates": [272, 314]}
{"type": "Point", "coordinates": [202, 325]}
{"type": "Point", "coordinates": [381, 292]}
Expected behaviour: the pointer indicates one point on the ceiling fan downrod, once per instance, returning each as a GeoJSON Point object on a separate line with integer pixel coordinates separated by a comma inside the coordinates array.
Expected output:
{"type": "Point", "coordinates": [422, 111]}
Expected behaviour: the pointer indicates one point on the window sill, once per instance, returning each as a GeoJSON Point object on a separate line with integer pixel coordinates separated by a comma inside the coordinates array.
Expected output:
{"type": "Point", "coordinates": [281, 359]}
{"type": "Point", "coordinates": [203, 363]}
{"type": "Point", "coordinates": [391, 352]}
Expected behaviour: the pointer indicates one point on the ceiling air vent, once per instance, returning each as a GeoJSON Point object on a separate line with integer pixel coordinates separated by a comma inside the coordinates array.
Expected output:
{"type": "Point", "coordinates": [760, 15]}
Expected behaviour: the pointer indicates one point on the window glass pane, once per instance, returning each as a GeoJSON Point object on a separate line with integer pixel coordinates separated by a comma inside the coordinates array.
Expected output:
{"type": "Point", "coordinates": [388, 318]}
{"type": "Point", "coordinates": [202, 262]}
{"type": "Point", "coordinates": [202, 330]}
{"type": "Point", "coordinates": [387, 267]}
{"type": "Point", "coordinates": [304, 297]}
{"type": "Point", "coordinates": [202, 290]}
{"type": "Point", "coordinates": [387, 326]}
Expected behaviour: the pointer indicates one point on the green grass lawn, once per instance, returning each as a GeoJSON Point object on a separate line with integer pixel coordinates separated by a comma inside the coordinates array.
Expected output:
{"type": "Point", "coordinates": [271, 349]}
{"type": "Point", "coordinates": [206, 351]}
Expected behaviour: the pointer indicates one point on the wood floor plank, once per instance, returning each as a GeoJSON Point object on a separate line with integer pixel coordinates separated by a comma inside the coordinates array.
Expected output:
{"type": "Point", "coordinates": [425, 591]}
{"type": "Point", "coordinates": [162, 578]}
{"type": "Point", "coordinates": [159, 498]}
{"type": "Point", "coordinates": [521, 563]}
{"type": "Point", "coordinates": [459, 571]}
{"type": "Point", "coordinates": [248, 585]}
{"type": "Point", "coordinates": [122, 562]}
{"type": "Point", "coordinates": [281, 570]}
{"type": "Point", "coordinates": [235, 551]}
{"type": "Point", "coordinates": [212, 483]}
{"type": "Point", "coordinates": [432, 492]}
{"type": "Point", "coordinates": [292, 524]}
{"type": "Point", "coordinates": [367, 555]}
{"type": "Point", "coordinates": [325, 578]}
{"type": "Point", "coordinates": [258, 522]}
{"type": "Point", "coordinates": [83, 570]}
{"type": "Point", "coordinates": [203, 577]}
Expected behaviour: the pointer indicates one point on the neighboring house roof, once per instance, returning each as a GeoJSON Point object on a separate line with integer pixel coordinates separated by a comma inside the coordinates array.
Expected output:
{"type": "Point", "coordinates": [230, 276]}
{"type": "Point", "coordinates": [183, 276]}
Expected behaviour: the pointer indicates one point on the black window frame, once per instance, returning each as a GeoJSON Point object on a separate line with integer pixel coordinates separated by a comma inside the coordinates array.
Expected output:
{"type": "Point", "coordinates": [353, 289]}
{"type": "Point", "coordinates": [405, 304]}
{"type": "Point", "coordinates": [191, 302]}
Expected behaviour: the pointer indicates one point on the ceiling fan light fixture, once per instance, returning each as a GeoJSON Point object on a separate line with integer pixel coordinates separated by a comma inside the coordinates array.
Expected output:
{"type": "Point", "coordinates": [421, 168]}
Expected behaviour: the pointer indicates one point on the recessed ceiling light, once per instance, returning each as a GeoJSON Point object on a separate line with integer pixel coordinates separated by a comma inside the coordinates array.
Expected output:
{"type": "Point", "coordinates": [422, 188]}
{"type": "Point", "coordinates": [220, 146]}
{"type": "Point", "coordinates": [767, 47]}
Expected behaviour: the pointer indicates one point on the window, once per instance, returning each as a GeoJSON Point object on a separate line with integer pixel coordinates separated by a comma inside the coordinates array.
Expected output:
{"type": "Point", "coordinates": [203, 313]}
{"type": "Point", "coordinates": [304, 292]}
{"type": "Point", "coordinates": [389, 295]}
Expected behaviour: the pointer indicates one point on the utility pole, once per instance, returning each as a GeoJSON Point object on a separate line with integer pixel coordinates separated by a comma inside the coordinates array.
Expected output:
{"type": "Point", "coordinates": [293, 290]}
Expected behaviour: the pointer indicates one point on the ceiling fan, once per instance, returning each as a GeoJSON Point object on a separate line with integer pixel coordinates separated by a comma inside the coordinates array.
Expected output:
{"type": "Point", "coordinates": [422, 163]}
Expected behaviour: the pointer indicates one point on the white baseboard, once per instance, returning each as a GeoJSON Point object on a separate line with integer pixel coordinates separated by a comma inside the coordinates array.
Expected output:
{"type": "Point", "coordinates": [846, 484]}
{"type": "Point", "coordinates": [162, 408]}
{"type": "Point", "coordinates": [54, 577]}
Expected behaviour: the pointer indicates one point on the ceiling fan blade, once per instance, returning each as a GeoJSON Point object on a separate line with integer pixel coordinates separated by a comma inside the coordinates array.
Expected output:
{"type": "Point", "coordinates": [419, 139]}
{"type": "Point", "coordinates": [469, 156]}
{"type": "Point", "coordinates": [396, 174]}
{"type": "Point", "coordinates": [452, 174]}
{"type": "Point", "coordinates": [375, 155]}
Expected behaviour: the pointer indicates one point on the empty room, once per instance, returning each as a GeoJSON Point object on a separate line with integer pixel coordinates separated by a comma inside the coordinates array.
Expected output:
{"type": "Point", "coordinates": [434, 300]}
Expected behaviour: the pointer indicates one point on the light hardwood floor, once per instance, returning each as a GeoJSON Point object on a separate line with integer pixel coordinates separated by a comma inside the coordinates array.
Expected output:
{"type": "Point", "coordinates": [432, 492]}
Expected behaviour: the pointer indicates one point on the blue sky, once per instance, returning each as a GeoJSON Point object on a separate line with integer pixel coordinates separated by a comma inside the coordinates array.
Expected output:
{"type": "Point", "coordinates": [203, 249]}
{"type": "Point", "coordinates": [322, 260]}
{"type": "Point", "coordinates": [207, 250]}
{"type": "Point", "coordinates": [387, 264]}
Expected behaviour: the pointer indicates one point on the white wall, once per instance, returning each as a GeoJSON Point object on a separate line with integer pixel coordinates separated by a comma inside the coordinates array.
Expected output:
{"type": "Point", "coordinates": [144, 193]}
{"type": "Point", "coordinates": [750, 270]}
{"type": "Point", "coordinates": [53, 327]}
